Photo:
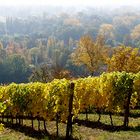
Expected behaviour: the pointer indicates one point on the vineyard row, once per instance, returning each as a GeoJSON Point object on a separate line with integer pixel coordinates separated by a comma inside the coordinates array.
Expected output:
{"type": "Point", "coordinates": [111, 92]}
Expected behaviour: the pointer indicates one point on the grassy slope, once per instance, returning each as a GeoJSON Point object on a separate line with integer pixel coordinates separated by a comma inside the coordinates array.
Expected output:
{"type": "Point", "coordinates": [90, 130]}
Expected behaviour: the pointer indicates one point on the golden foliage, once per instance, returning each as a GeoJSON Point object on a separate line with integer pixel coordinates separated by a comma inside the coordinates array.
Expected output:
{"type": "Point", "coordinates": [124, 59]}
{"type": "Point", "coordinates": [135, 34]}
{"type": "Point", "coordinates": [72, 21]}
{"type": "Point", "coordinates": [91, 53]}
{"type": "Point", "coordinates": [106, 30]}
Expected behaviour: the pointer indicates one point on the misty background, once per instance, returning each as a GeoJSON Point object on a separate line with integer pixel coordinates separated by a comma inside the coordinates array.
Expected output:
{"type": "Point", "coordinates": [39, 36]}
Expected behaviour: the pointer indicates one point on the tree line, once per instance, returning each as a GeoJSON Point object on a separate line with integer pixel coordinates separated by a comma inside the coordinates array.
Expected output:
{"type": "Point", "coordinates": [81, 58]}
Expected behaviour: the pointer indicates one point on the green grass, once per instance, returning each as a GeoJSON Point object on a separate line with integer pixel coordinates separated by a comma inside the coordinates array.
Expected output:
{"type": "Point", "coordinates": [104, 131]}
{"type": "Point", "coordinates": [10, 134]}
{"type": "Point", "coordinates": [84, 130]}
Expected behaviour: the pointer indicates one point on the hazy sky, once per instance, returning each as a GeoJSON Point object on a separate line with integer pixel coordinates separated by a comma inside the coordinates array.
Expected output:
{"type": "Point", "coordinates": [69, 2]}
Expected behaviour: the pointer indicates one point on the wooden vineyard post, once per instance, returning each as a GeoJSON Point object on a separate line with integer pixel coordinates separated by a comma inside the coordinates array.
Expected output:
{"type": "Point", "coordinates": [57, 122]}
{"type": "Point", "coordinates": [32, 119]}
{"type": "Point", "coordinates": [110, 115]}
{"type": "Point", "coordinates": [69, 121]}
{"type": "Point", "coordinates": [38, 119]}
{"type": "Point", "coordinates": [86, 114]}
{"type": "Point", "coordinates": [2, 117]}
{"type": "Point", "coordinates": [127, 110]}
{"type": "Point", "coordinates": [32, 122]}
{"type": "Point", "coordinates": [7, 118]}
{"type": "Point", "coordinates": [16, 119]}
{"type": "Point", "coordinates": [44, 122]}
{"type": "Point", "coordinates": [127, 104]}
{"type": "Point", "coordinates": [12, 120]}
{"type": "Point", "coordinates": [19, 120]}
{"type": "Point", "coordinates": [38, 124]}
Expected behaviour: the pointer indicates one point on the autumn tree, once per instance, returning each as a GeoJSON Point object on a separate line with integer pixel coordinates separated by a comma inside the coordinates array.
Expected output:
{"type": "Point", "coordinates": [124, 59]}
{"type": "Point", "coordinates": [46, 73]}
{"type": "Point", "coordinates": [72, 22]}
{"type": "Point", "coordinates": [14, 69]}
{"type": "Point", "coordinates": [91, 53]}
{"type": "Point", "coordinates": [41, 74]}
{"type": "Point", "coordinates": [35, 55]}
{"type": "Point", "coordinates": [135, 35]}
{"type": "Point", "coordinates": [57, 52]}
{"type": "Point", "coordinates": [122, 26]}
{"type": "Point", "coordinates": [42, 51]}
{"type": "Point", "coordinates": [2, 52]}
{"type": "Point", "coordinates": [107, 31]}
